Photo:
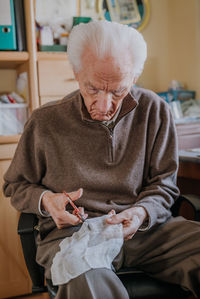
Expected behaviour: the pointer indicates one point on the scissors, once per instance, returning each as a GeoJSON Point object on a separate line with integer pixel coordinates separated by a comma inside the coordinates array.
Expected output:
{"type": "Point", "coordinates": [77, 212]}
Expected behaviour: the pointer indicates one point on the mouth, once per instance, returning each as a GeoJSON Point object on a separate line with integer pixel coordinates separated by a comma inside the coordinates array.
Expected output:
{"type": "Point", "coordinates": [97, 115]}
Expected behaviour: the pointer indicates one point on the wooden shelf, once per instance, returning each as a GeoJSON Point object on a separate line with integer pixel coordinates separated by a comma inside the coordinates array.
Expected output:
{"type": "Point", "coordinates": [51, 55]}
{"type": "Point", "coordinates": [13, 275]}
{"type": "Point", "coordinates": [9, 59]}
{"type": "Point", "coordinates": [9, 139]}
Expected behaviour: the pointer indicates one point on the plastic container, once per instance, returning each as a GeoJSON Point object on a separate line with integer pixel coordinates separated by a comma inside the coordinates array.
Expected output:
{"type": "Point", "coordinates": [183, 95]}
{"type": "Point", "coordinates": [78, 20]}
{"type": "Point", "coordinates": [176, 109]}
{"type": "Point", "coordinates": [54, 48]}
{"type": "Point", "coordinates": [176, 95]}
{"type": "Point", "coordinates": [12, 118]}
{"type": "Point", "coordinates": [165, 95]}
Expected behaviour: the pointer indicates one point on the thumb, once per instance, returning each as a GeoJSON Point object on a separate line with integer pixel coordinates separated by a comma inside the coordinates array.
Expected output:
{"type": "Point", "coordinates": [115, 219]}
{"type": "Point", "coordinates": [76, 194]}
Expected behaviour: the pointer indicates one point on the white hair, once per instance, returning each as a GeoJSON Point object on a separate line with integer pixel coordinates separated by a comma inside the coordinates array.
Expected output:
{"type": "Point", "coordinates": [104, 38]}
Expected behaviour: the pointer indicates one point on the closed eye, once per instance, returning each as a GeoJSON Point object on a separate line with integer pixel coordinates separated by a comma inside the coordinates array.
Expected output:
{"type": "Point", "coordinates": [118, 93]}
{"type": "Point", "coordinates": [92, 90]}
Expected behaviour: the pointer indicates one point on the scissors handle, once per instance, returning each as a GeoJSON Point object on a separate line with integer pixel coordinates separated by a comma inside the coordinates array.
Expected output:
{"type": "Point", "coordinates": [78, 214]}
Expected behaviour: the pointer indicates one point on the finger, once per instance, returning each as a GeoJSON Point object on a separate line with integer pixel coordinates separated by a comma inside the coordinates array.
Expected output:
{"type": "Point", "coordinates": [85, 216]}
{"type": "Point", "coordinates": [112, 212]}
{"type": "Point", "coordinates": [81, 210]}
{"type": "Point", "coordinates": [65, 219]}
{"type": "Point", "coordinates": [76, 194]}
{"type": "Point", "coordinates": [71, 219]}
{"type": "Point", "coordinates": [116, 219]}
{"type": "Point", "coordinates": [64, 198]}
{"type": "Point", "coordinates": [129, 230]}
{"type": "Point", "coordinates": [129, 237]}
{"type": "Point", "coordinates": [82, 214]}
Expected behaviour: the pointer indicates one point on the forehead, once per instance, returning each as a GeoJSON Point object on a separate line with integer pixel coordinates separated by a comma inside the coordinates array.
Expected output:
{"type": "Point", "coordinates": [107, 69]}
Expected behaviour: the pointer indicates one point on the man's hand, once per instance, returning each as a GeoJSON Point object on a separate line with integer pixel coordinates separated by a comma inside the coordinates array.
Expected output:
{"type": "Point", "coordinates": [55, 204]}
{"type": "Point", "coordinates": [131, 220]}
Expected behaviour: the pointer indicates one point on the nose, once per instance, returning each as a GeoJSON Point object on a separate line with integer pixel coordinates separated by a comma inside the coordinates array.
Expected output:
{"type": "Point", "coordinates": [104, 102]}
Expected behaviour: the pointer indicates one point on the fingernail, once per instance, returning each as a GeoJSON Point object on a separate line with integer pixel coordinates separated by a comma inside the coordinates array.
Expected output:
{"type": "Point", "coordinates": [81, 191]}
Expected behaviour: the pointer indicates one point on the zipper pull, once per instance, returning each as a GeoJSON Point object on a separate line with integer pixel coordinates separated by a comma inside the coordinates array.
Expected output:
{"type": "Point", "coordinates": [111, 132]}
{"type": "Point", "coordinates": [37, 227]}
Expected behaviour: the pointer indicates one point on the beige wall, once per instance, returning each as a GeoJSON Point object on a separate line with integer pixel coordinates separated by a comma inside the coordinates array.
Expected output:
{"type": "Point", "coordinates": [173, 40]}
{"type": "Point", "coordinates": [8, 80]}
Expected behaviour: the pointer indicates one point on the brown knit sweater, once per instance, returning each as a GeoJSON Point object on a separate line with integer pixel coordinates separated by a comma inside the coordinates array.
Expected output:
{"type": "Point", "coordinates": [62, 148]}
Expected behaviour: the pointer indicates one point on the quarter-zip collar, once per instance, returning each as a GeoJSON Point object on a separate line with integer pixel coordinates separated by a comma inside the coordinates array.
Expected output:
{"type": "Point", "coordinates": [128, 104]}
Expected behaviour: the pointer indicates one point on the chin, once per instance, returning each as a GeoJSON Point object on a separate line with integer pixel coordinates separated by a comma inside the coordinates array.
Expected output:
{"type": "Point", "coordinates": [101, 117]}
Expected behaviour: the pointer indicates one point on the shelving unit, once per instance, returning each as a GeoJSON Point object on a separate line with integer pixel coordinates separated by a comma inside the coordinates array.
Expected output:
{"type": "Point", "coordinates": [14, 278]}
{"type": "Point", "coordinates": [51, 56]}
{"type": "Point", "coordinates": [11, 60]}
{"type": "Point", "coordinates": [9, 139]}
{"type": "Point", "coordinates": [33, 62]}
{"type": "Point", "coordinates": [50, 77]}
{"type": "Point", "coordinates": [25, 61]}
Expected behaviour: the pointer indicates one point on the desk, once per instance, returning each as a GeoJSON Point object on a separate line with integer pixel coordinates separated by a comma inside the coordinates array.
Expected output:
{"type": "Point", "coordinates": [188, 179]}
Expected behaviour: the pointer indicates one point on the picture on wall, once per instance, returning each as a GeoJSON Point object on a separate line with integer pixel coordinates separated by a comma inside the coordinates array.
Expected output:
{"type": "Point", "coordinates": [123, 11]}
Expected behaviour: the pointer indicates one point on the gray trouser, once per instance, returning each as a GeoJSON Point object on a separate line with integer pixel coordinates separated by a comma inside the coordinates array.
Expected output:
{"type": "Point", "coordinates": [96, 283]}
{"type": "Point", "coordinates": [169, 252]}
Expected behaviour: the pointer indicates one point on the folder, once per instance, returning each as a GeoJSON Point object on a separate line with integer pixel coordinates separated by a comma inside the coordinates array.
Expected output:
{"type": "Point", "coordinates": [20, 25]}
{"type": "Point", "coordinates": [7, 26]}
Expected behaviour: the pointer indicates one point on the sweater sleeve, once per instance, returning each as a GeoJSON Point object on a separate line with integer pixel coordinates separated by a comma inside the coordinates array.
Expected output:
{"type": "Point", "coordinates": [159, 189]}
{"type": "Point", "coordinates": [24, 176]}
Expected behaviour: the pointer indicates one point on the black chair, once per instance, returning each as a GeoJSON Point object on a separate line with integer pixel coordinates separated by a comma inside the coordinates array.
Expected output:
{"type": "Point", "coordinates": [138, 284]}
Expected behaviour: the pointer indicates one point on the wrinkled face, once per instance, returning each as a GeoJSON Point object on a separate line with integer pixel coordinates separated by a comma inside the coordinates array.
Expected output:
{"type": "Point", "coordinates": [104, 84]}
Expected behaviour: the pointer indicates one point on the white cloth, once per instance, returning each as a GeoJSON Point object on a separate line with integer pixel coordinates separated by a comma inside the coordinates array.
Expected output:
{"type": "Point", "coordinates": [95, 245]}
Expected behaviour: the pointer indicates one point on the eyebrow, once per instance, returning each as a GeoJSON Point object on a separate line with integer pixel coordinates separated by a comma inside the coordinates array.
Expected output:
{"type": "Point", "coordinates": [90, 85]}
{"type": "Point", "coordinates": [120, 89]}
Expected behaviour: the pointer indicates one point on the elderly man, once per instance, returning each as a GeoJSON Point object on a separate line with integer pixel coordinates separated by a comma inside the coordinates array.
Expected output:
{"type": "Point", "coordinates": [113, 147]}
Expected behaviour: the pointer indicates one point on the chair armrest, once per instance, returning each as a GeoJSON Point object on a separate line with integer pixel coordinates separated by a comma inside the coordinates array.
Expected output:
{"type": "Point", "coordinates": [27, 223]}
{"type": "Point", "coordinates": [140, 285]}
{"type": "Point", "coordinates": [187, 206]}
{"type": "Point", "coordinates": [190, 202]}
{"type": "Point", "coordinates": [27, 231]}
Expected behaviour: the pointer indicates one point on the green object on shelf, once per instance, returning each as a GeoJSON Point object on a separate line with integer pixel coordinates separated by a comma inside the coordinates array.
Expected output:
{"type": "Point", "coordinates": [53, 48]}
{"type": "Point", "coordinates": [78, 20]}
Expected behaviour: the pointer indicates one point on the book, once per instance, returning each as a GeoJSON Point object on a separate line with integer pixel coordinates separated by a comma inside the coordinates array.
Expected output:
{"type": "Point", "coordinates": [7, 26]}
{"type": "Point", "coordinates": [20, 25]}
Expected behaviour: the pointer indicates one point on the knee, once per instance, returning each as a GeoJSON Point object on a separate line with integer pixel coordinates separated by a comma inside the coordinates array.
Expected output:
{"type": "Point", "coordinates": [94, 284]}
{"type": "Point", "coordinates": [96, 277]}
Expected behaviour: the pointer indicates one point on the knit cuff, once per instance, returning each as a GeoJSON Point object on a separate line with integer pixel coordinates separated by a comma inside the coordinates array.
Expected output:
{"type": "Point", "coordinates": [41, 211]}
{"type": "Point", "coordinates": [147, 222]}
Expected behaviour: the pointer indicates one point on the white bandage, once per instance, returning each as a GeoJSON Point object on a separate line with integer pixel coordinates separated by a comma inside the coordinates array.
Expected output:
{"type": "Point", "coordinates": [95, 245]}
